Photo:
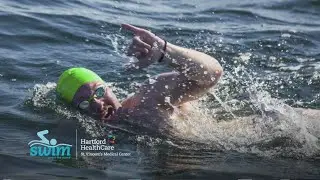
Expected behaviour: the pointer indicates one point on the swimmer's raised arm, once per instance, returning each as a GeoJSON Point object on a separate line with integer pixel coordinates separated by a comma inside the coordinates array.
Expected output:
{"type": "Point", "coordinates": [197, 71]}
{"type": "Point", "coordinates": [195, 65]}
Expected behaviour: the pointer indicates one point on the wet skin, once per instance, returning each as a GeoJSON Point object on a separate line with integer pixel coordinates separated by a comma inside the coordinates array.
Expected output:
{"type": "Point", "coordinates": [103, 107]}
{"type": "Point", "coordinates": [194, 73]}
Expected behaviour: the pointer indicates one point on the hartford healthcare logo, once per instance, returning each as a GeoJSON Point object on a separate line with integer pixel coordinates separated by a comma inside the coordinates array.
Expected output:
{"type": "Point", "coordinates": [47, 148]}
{"type": "Point", "coordinates": [111, 138]}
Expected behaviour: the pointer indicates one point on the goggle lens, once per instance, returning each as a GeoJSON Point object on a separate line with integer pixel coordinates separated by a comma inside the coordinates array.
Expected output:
{"type": "Point", "coordinates": [99, 93]}
{"type": "Point", "coordinates": [84, 105]}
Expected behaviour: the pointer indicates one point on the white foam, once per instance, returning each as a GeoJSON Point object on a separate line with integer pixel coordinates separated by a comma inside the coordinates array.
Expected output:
{"type": "Point", "coordinates": [272, 129]}
{"type": "Point", "coordinates": [285, 35]}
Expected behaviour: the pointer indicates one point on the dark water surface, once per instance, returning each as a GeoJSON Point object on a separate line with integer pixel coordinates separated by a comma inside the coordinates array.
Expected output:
{"type": "Point", "coordinates": [248, 126]}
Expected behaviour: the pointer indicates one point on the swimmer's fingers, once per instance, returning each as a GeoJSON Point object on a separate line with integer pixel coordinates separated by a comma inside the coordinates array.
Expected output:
{"type": "Point", "coordinates": [141, 53]}
{"type": "Point", "coordinates": [134, 48]}
{"type": "Point", "coordinates": [145, 36]}
{"type": "Point", "coordinates": [137, 41]}
{"type": "Point", "coordinates": [137, 51]}
{"type": "Point", "coordinates": [132, 28]}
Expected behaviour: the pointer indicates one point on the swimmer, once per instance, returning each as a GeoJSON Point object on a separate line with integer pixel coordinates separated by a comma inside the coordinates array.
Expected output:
{"type": "Point", "coordinates": [194, 73]}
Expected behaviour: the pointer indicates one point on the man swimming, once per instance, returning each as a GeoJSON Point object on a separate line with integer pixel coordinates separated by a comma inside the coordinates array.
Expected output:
{"type": "Point", "coordinates": [194, 74]}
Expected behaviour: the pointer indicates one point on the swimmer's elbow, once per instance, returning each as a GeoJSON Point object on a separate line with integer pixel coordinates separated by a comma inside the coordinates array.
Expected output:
{"type": "Point", "coordinates": [215, 77]}
{"type": "Point", "coordinates": [208, 73]}
{"type": "Point", "coordinates": [215, 73]}
{"type": "Point", "coordinates": [218, 72]}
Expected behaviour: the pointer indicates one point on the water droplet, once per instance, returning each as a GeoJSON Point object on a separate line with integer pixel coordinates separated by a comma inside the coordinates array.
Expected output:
{"type": "Point", "coordinates": [285, 35]}
{"type": "Point", "coordinates": [205, 72]}
{"type": "Point", "coordinates": [166, 86]}
{"type": "Point", "coordinates": [272, 58]}
{"type": "Point", "coordinates": [13, 80]}
{"type": "Point", "coordinates": [152, 81]}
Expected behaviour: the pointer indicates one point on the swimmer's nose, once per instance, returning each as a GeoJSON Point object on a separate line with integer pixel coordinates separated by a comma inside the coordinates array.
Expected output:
{"type": "Point", "coordinates": [97, 105]}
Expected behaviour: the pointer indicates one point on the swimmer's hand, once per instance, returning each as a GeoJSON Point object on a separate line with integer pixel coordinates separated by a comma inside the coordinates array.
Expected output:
{"type": "Point", "coordinates": [145, 46]}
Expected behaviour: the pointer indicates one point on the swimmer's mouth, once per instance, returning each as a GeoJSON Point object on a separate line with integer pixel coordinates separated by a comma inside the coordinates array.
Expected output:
{"type": "Point", "coordinates": [109, 111]}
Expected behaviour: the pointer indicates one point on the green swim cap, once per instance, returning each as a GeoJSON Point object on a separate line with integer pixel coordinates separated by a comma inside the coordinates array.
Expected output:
{"type": "Point", "coordinates": [72, 79]}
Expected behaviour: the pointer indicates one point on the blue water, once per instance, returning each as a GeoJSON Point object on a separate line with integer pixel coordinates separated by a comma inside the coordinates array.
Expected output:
{"type": "Point", "coordinates": [254, 124]}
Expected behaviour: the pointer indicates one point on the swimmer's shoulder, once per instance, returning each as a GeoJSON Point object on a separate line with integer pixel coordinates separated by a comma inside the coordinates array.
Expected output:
{"type": "Point", "coordinates": [136, 106]}
{"type": "Point", "coordinates": [138, 102]}
{"type": "Point", "coordinates": [131, 102]}
{"type": "Point", "coordinates": [139, 107]}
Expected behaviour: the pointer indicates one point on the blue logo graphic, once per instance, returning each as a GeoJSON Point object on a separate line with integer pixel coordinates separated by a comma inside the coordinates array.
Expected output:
{"type": "Point", "coordinates": [47, 148]}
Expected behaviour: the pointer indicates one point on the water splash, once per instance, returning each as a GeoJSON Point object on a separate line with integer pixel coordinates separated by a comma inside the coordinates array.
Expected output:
{"type": "Point", "coordinates": [268, 128]}
{"type": "Point", "coordinates": [224, 105]}
{"type": "Point", "coordinates": [44, 97]}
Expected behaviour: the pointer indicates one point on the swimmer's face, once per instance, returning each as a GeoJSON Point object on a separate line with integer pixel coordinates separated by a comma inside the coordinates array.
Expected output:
{"type": "Point", "coordinates": [103, 105]}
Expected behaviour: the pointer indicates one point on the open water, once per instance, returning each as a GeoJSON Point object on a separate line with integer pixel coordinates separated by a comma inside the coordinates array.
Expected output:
{"type": "Point", "coordinates": [255, 124]}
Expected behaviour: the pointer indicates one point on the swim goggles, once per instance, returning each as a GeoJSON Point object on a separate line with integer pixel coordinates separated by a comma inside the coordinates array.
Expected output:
{"type": "Point", "coordinates": [98, 93]}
